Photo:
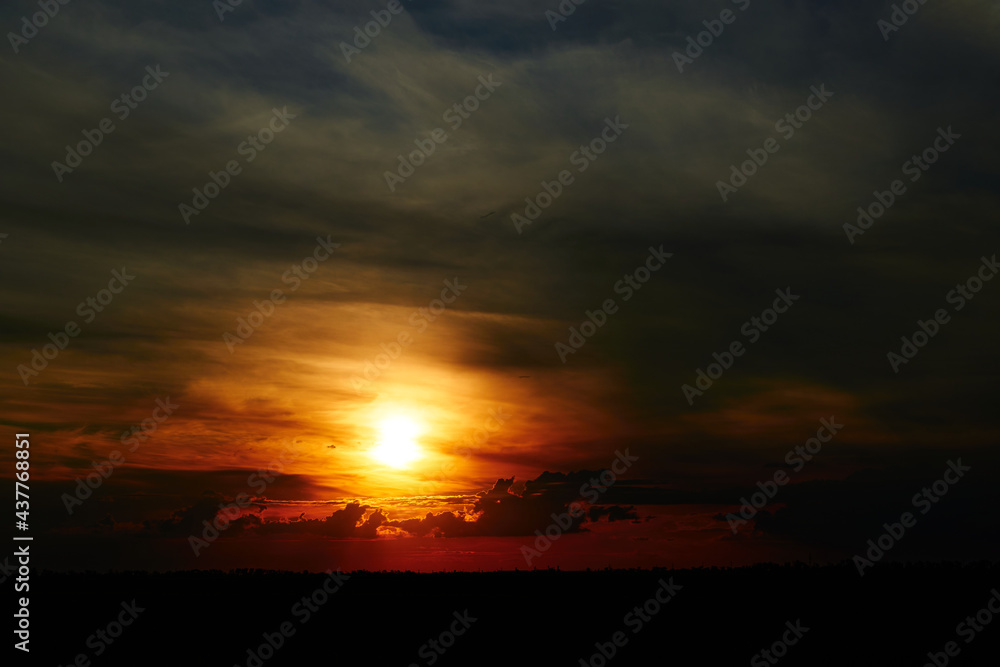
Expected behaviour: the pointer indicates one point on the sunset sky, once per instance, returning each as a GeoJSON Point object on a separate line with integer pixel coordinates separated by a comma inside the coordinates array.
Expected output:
{"type": "Point", "coordinates": [375, 474]}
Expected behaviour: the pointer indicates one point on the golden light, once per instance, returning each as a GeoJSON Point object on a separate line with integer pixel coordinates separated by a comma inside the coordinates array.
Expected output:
{"type": "Point", "coordinates": [397, 442]}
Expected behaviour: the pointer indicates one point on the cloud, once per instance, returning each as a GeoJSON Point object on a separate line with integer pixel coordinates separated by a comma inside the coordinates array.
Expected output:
{"type": "Point", "coordinates": [844, 514]}
{"type": "Point", "coordinates": [613, 513]}
{"type": "Point", "coordinates": [495, 512]}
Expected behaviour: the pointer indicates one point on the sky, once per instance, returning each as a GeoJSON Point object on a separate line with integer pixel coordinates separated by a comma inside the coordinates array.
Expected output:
{"type": "Point", "coordinates": [396, 301]}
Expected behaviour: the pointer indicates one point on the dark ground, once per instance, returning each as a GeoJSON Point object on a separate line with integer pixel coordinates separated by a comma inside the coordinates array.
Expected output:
{"type": "Point", "coordinates": [894, 615]}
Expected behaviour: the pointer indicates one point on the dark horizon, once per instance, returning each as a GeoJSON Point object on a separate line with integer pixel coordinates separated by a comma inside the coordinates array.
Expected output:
{"type": "Point", "coordinates": [929, 605]}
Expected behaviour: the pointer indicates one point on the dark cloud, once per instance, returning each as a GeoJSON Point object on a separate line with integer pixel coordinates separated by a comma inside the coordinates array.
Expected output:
{"type": "Point", "coordinates": [496, 512]}
{"type": "Point", "coordinates": [613, 513]}
{"type": "Point", "coordinates": [844, 514]}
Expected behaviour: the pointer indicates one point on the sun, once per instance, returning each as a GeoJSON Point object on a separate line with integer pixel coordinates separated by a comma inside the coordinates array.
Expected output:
{"type": "Point", "coordinates": [396, 445]}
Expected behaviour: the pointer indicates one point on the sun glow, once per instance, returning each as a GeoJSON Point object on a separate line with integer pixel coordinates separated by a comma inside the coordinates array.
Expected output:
{"type": "Point", "coordinates": [396, 445]}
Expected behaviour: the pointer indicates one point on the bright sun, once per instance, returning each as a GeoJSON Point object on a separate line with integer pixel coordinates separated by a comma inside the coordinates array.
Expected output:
{"type": "Point", "coordinates": [397, 442]}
